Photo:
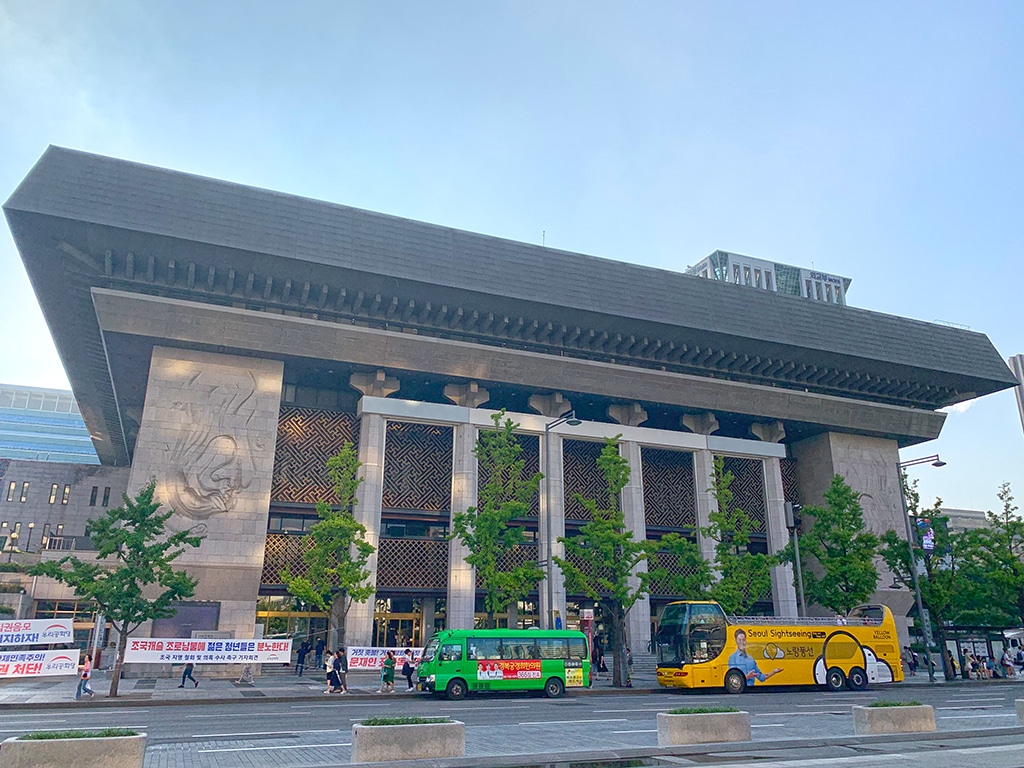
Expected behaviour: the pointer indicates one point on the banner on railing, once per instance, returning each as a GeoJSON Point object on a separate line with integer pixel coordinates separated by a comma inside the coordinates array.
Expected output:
{"type": "Point", "coordinates": [179, 650]}
{"type": "Point", "coordinates": [373, 658]}
{"type": "Point", "coordinates": [36, 632]}
{"type": "Point", "coordinates": [38, 663]}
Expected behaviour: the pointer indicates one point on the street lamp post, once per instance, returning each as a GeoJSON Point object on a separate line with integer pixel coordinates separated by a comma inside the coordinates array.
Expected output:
{"type": "Point", "coordinates": [570, 419]}
{"type": "Point", "coordinates": [935, 461]}
{"type": "Point", "coordinates": [28, 542]}
{"type": "Point", "coordinates": [12, 543]}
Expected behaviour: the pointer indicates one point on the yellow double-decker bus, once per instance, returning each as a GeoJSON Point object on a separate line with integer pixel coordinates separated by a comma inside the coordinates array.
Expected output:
{"type": "Point", "coordinates": [700, 647]}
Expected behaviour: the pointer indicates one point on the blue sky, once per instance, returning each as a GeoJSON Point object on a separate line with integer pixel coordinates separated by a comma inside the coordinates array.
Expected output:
{"type": "Point", "coordinates": [881, 141]}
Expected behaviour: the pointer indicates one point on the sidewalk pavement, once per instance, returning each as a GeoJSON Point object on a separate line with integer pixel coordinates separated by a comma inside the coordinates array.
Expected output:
{"type": "Point", "coordinates": [277, 686]}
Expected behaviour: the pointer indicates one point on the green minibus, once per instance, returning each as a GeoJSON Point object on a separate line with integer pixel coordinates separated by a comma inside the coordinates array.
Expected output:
{"type": "Point", "coordinates": [459, 661]}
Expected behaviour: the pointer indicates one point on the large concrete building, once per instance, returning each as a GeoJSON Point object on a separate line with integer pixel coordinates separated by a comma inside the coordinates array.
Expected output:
{"type": "Point", "coordinates": [226, 340]}
{"type": "Point", "coordinates": [43, 425]}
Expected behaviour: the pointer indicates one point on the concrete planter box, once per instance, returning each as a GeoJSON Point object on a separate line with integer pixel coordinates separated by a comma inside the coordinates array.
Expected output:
{"type": "Point", "coordinates": [875, 720]}
{"type": "Point", "coordinates": [377, 743]}
{"type": "Point", "coordinates": [1020, 711]}
{"type": "Point", "coordinates": [113, 752]}
{"type": "Point", "coordinates": [705, 728]}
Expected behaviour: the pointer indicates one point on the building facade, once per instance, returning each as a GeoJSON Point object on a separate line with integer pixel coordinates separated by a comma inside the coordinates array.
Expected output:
{"type": "Point", "coordinates": [225, 341]}
{"type": "Point", "coordinates": [43, 425]}
{"type": "Point", "coordinates": [771, 276]}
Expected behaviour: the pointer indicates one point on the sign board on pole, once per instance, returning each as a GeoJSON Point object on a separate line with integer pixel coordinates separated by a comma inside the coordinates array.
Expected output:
{"type": "Point", "coordinates": [38, 663]}
{"type": "Point", "coordinates": [179, 650]}
{"type": "Point", "coordinates": [926, 628]}
{"type": "Point", "coordinates": [36, 632]}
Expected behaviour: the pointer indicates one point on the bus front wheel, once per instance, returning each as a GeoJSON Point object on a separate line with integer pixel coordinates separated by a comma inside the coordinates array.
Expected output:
{"type": "Point", "coordinates": [554, 688]}
{"type": "Point", "coordinates": [456, 690]}
{"type": "Point", "coordinates": [735, 682]}
{"type": "Point", "coordinates": [835, 679]}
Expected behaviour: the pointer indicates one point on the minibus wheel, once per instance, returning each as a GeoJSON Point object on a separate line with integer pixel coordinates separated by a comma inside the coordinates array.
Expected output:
{"type": "Point", "coordinates": [554, 688]}
{"type": "Point", "coordinates": [456, 690]}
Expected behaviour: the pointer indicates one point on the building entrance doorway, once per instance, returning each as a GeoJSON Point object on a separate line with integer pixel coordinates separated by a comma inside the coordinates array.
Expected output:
{"type": "Point", "coordinates": [401, 622]}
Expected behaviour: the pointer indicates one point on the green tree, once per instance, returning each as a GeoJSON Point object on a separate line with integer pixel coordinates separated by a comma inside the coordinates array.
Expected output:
{"type": "Point", "coordinates": [999, 557]}
{"type": "Point", "coordinates": [679, 568]}
{"type": "Point", "coordinates": [335, 549]}
{"type": "Point", "coordinates": [486, 530]}
{"type": "Point", "coordinates": [603, 561]}
{"type": "Point", "coordinates": [140, 585]}
{"type": "Point", "coordinates": [841, 552]}
{"type": "Point", "coordinates": [742, 577]}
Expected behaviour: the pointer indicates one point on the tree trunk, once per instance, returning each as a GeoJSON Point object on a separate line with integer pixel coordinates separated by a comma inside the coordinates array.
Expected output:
{"type": "Point", "coordinates": [513, 614]}
{"type": "Point", "coordinates": [336, 624]}
{"type": "Point", "coordinates": [122, 646]}
{"type": "Point", "coordinates": [619, 631]}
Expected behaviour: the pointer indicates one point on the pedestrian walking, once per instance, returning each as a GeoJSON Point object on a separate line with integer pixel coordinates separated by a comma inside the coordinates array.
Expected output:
{"type": "Point", "coordinates": [300, 658]}
{"type": "Point", "coordinates": [340, 666]}
{"type": "Point", "coordinates": [320, 645]}
{"type": "Point", "coordinates": [187, 675]}
{"type": "Point", "coordinates": [84, 675]}
{"type": "Point", "coordinates": [409, 669]}
{"type": "Point", "coordinates": [387, 674]}
{"type": "Point", "coordinates": [329, 671]}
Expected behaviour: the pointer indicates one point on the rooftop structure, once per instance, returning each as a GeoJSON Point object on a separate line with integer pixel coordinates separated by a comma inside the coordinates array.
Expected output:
{"type": "Point", "coordinates": [726, 267]}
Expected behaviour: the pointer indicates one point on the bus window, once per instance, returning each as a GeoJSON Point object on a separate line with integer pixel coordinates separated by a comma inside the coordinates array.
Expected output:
{"type": "Point", "coordinates": [515, 648]}
{"type": "Point", "coordinates": [577, 648]}
{"type": "Point", "coordinates": [451, 652]}
{"type": "Point", "coordinates": [870, 613]}
{"type": "Point", "coordinates": [430, 651]}
{"type": "Point", "coordinates": [485, 648]}
{"type": "Point", "coordinates": [705, 632]}
{"type": "Point", "coordinates": [671, 651]}
{"type": "Point", "coordinates": [552, 648]}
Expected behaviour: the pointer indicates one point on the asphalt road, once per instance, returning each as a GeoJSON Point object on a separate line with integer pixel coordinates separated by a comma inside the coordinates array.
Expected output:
{"type": "Point", "coordinates": [293, 734]}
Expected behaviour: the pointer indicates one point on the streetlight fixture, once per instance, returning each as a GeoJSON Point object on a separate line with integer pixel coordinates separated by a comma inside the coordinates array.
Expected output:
{"type": "Point", "coordinates": [12, 545]}
{"type": "Point", "coordinates": [935, 461]}
{"type": "Point", "coordinates": [570, 419]}
{"type": "Point", "coordinates": [28, 542]}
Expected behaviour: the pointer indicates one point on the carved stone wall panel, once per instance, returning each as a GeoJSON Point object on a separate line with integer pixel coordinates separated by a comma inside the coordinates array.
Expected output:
{"type": "Point", "coordinates": [582, 476]}
{"type": "Point", "coordinates": [669, 493]}
{"type": "Point", "coordinates": [417, 467]}
{"type": "Point", "coordinates": [531, 457]}
{"type": "Point", "coordinates": [790, 484]}
{"type": "Point", "coordinates": [306, 439]}
{"type": "Point", "coordinates": [412, 564]}
{"type": "Point", "coordinates": [748, 488]}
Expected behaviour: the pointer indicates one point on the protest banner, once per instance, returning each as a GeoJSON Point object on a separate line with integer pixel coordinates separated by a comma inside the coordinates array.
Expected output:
{"type": "Point", "coordinates": [179, 650]}
{"type": "Point", "coordinates": [38, 663]}
{"type": "Point", "coordinates": [373, 658]}
{"type": "Point", "coordinates": [36, 631]}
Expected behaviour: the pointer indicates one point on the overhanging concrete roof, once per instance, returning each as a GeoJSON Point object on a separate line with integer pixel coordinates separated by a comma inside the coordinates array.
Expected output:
{"type": "Point", "coordinates": [83, 221]}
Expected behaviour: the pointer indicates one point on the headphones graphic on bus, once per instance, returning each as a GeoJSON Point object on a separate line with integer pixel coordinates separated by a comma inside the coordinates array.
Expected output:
{"type": "Point", "coordinates": [841, 649]}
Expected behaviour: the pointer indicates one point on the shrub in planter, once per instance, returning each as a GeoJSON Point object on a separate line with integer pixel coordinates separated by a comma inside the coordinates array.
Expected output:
{"type": "Point", "coordinates": [407, 738]}
{"type": "Point", "coordinates": [109, 748]}
{"type": "Point", "coordinates": [893, 717]}
{"type": "Point", "coordinates": [702, 725]}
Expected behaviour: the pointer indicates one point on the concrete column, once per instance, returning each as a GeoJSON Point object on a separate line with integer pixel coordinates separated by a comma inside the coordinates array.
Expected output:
{"type": "Point", "coordinates": [372, 434]}
{"type": "Point", "coordinates": [784, 599]}
{"type": "Point", "coordinates": [462, 575]}
{"type": "Point", "coordinates": [207, 436]}
{"type": "Point", "coordinates": [638, 623]}
{"type": "Point", "coordinates": [427, 620]}
{"type": "Point", "coordinates": [703, 469]}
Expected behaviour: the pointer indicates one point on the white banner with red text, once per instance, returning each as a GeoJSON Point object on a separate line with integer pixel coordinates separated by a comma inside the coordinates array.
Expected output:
{"type": "Point", "coordinates": [38, 663]}
{"type": "Point", "coordinates": [36, 631]}
{"type": "Point", "coordinates": [180, 650]}
{"type": "Point", "coordinates": [373, 658]}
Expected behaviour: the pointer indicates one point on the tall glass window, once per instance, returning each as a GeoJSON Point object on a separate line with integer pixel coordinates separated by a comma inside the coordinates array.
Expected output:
{"type": "Point", "coordinates": [66, 496]}
{"type": "Point", "coordinates": [10, 490]}
{"type": "Point", "coordinates": [53, 493]}
{"type": "Point", "coordinates": [24, 492]}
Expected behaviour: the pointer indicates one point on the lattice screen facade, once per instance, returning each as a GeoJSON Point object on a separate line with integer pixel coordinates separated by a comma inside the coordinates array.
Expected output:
{"type": "Point", "coordinates": [412, 564]}
{"type": "Point", "coordinates": [306, 438]}
{"type": "Point", "coordinates": [515, 558]}
{"type": "Point", "coordinates": [283, 550]}
{"type": "Point", "coordinates": [417, 467]}
{"type": "Point", "coordinates": [663, 587]}
{"type": "Point", "coordinates": [790, 487]}
{"type": "Point", "coordinates": [531, 456]}
{"type": "Point", "coordinates": [670, 499]}
{"type": "Point", "coordinates": [582, 476]}
{"type": "Point", "coordinates": [748, 488]}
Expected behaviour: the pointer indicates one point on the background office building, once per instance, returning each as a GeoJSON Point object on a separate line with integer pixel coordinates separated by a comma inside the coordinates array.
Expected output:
{"type": "Point", "coordinates": [227, 340]}
{"type": "Point", "coordinates": [771, 276]}
{"type": "Point", "coordinates": [44, 425]}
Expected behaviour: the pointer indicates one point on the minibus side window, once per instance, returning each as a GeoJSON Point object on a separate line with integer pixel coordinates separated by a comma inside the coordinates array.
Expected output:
{"type": "Point", "coordinates": [451, 652]}
{"type": "Point", "coordinates": [553, 648]}
{"type": "Point", "coordinates": [577, 647]}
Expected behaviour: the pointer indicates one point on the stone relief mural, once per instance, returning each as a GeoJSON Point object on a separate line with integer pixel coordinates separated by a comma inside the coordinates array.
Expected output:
{"type": "Point", "coordinates": [212, 461]}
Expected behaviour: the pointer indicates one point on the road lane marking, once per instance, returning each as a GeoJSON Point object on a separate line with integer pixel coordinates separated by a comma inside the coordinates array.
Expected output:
{"type": "Point", "coordinates": [976, 706]}
{"type": "Point", "coordinates": [478, 709]}
{"type": "Point", "coordinates": [266, 749]}
{"type": "Point", "coordinates": [574, 722]}
{"type": "Point", "coordinates": [249, 714]}
{"type": "Point", "coordinates": [651, 731]}
{"type": "Point", "coordinates": [634, 709]}
{"type": "Point", "coordinates": [797, 714]}
{"type": "Point", "coordinates": [260, 733]}
{"type": "Point", "coordinates": [83, 727]}
{"type": "Point", "coordinates": [374, 703]}
{"type": "Point", "coordinates": [965, 717]}
{"type": "Point", "coordinates": [769, 725]}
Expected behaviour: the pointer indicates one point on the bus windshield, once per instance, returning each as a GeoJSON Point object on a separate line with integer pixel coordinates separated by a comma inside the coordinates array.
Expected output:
{"type": "Point", "coordinates": [430, 650]}
{"type": "Point", "coordinates": [691, 634]}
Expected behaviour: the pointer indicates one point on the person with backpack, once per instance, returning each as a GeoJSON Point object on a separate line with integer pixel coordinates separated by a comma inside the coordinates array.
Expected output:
{"type": "Point", "coordinates": [329, 671]}
{"type": "Point", "coordinates": [409, 669]}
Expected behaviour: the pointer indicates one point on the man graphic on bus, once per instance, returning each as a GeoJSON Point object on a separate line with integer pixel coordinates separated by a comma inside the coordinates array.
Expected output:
{"type": "Point", "coordinates": [745, 663]}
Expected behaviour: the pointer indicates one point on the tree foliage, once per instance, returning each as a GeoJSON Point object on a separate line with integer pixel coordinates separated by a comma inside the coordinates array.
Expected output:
{"type": "Point", "coordinates": [139, 583]}
{"type": "Point", "coordinates": [603, 560]}
{"type": "Point", "coordinates": [743, 578]}
{"type": "Point", "coordinates": [841, 552]}
{"type": "Point", "coordinates": [999, 555]}
{"type": "Point", "coordinates": [486, 529]}
{"type": "Point", "coordinates": [690, 576]}
{"type": "Point", "coordinates": [335, 549]}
